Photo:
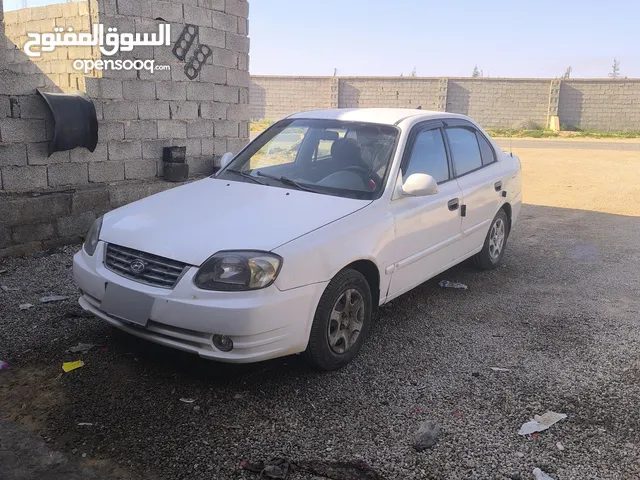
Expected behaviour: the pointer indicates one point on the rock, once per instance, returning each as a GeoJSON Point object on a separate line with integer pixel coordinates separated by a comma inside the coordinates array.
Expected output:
{"type": "Point", "coordinates": [515, 476]}
{"type": "Point", "coordinates": [426, 436]}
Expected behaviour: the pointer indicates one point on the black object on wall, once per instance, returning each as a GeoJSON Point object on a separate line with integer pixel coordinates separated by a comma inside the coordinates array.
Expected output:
{"type": "Point", "coordinates": [175, 167]}
{"type": "Point", "coordinates": [75, 121]}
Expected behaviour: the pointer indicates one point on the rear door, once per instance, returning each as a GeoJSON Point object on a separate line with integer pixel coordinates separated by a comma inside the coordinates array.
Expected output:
{"type": "Point", "coordinates": [480, 177]}
{"type": "Point", "coordinates": [427, 228]}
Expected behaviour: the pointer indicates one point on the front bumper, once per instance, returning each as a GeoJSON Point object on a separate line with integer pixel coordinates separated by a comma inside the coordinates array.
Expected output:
{"type": "Point", "coordinates": [263, 324]}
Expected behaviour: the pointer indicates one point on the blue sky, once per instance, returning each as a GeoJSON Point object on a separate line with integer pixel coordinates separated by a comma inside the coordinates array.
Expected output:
{"type": "Point", "coordinates": [506, 38]}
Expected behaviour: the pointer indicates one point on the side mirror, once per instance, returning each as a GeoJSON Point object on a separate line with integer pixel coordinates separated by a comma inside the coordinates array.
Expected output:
{"type": "Point", "coordinates": [420, 185]}
{"type": "Point", "coordinates": [226, 159]}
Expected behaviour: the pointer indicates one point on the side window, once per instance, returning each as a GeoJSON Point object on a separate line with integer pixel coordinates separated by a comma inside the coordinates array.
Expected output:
{"type": "Point", "coordinates": [488, 156]}
{"type": "Point", "coordinates": [428, 156]}
{"type": "Point", "coordinates": [324, 145]}
{"type": "Point", "coordinates": [464, 149]}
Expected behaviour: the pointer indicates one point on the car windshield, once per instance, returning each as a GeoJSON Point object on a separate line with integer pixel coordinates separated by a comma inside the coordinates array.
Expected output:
{"type": "Point", "coordinates": [331, 157]}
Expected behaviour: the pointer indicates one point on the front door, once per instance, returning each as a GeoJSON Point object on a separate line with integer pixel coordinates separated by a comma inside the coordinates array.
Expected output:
{"type": "Point", "coordinates": [427, 228]}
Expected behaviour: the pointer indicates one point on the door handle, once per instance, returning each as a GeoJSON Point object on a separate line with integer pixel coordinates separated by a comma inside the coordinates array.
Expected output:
{"type": "Point", "coordinates": [454, 204]}
{"type": "Point", "coordinates": [497, 186]}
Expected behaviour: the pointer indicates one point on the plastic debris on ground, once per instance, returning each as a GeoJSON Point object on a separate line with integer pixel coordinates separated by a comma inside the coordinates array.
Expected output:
{"type": "Point", "coordinates": [559, 446]}
{"type": "Point", "coordinates": [81, 348]}
{"type": "Point", "coordinates": [4, 365]}
{"type": "Point", "coordinates": [53, 298]}
{"type": "Point", "coordinates": [448, 284]}
{"type": "Point", "coordinates": [540, 423]}
{"type": "Point", "coordinates": [426, 436]}
{"type": "Point", "coordinates": [9, 289]}
{"type": "Point", "coordinates": [70, 366]}
{"type": "Point", "coordinates": [26, 306]}
{"type": "Point", "coordinates": [3, 271]}
{"type": "Point", "coordinates": [498, 369]}
{"type": "Point", "coordinates": [85, 424]}
{"type": "Point", "coordinates": [540, 475]}
{"type": "Point", "coordinates": [187, 400]}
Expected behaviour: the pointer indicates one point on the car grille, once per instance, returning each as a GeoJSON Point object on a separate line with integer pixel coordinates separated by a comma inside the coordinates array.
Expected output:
{"type": "Point", "coordinates": [159, 271]}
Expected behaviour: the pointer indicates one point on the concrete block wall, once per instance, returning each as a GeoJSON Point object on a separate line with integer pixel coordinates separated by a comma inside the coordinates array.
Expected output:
{"type": "Point", "coordinates": [277, 97]}
{"type": "Point", "coordinates": [57, 65]}
{"type": "Point", "coordinates": [139, 113]}
{"type": "Point", "coordinates": [601, 104]}
{"type": "Point", "coordinates": [388, 92]}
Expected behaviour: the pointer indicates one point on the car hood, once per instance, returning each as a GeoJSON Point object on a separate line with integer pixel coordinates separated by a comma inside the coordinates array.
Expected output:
{"type": "Point", "coordinates": [192, 222]}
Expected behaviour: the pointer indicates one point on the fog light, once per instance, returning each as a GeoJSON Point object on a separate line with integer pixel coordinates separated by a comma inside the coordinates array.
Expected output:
{"type": "Point", "coordinates": [223, 343]}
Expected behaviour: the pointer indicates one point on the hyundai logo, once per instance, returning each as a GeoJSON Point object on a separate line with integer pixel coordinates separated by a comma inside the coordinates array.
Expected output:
{"type": "Point", "coordinates": [137, 266]}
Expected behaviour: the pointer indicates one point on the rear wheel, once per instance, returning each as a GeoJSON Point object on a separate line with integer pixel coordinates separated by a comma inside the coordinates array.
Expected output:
{"type": "Point", "coordinates": [341, 323]}
{"type": "Point", "coordinates": [494, 244]}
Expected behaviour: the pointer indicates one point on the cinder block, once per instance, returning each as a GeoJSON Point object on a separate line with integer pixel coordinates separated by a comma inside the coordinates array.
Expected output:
{"type": "Point", "coordinates": [75, 225]}
{"type": "Point", "coordinates": [111, 131]}
{"type": "Point", "coordinates": [124, 150]}
{"type": "Point", "coordinates": [120, 111]}
{"type": "Point", "coordinates": [200, 165]}
{"type": "Point", "coordinates": [207, 146]}
{"type": "Point", "coordinates": [194, 147]}
{"type": "Point", "coordinates": [239, 8]}
{"type": "Point", "coordinates": [213, 74]}
{"type": "Point", "coordinates": [171, 91]}
{"type": "Point", "coordinates": [5, 106]}
{"type": "Point", "coordinates": [37, 155]}
{"type": "Point", "coordinates": [21, 130]}
{"type": "Point", "coordinates": [244, 95]}
{"type": "Point", "coordinates": [13, 154]}
{"type": "Point", "coordinates": [213, 110]}
{"type": "Point", "coordinates": [237, 43]}
{"type": "Point", "coordinates": [19, 179]}
{"type": "Point", "coordinates": [138, 90]}
{"type": "Point", "coordinates": [225, 94]}
{"type": "Point", "coordinates": [225, 128]}
{"type": "Point", "coordinates": [172, 129]}
{"type": "Point", "coordinates": [68, 174]}
{"type": "Point", "coordinates": [238, 78]}
{"type": "Point", "coordinates": [224, 22]}
{"type": "Point", "coordinates": [168, 11]}
{"type": "Point", "coordinates": [82, 155]}
{"type": "Point", "coordinates": [152, 149]}
{"type": "Point", "coordinates": [211, 37]}
{"type": "Point", "coordinates": [137, 8]}
{"type": "Point", "coordinates": [105, 88]}
{"type": "Point", "coordinates": [32, 233]}
{"type": "Point", "coordinates": [106, 171]}
{"type": "Point", "coordinates": [238, 112]}
{"type": "Point", "coordinates": [184, 110]}
{"type": "Point", "coordinates": [243, 130]}
{"type": "Point", "coordinates": [154, 110]}
{"type": "Point", "coordinates": [28, 209]}
{"type": "Point", "coordinates": [91, 199]}
{"type": "Point", "coordinates": [200, 91]}
{"type": "Point", "coordinates": [157, 75]}
{"type": "Point", "coordinates": [141, 129]}
{"type": "Point", "coordinates": [243, 26]}
{"type": "Point", "coordinates": [236, 144]}
{"type": "Point", "coordinates": [224, 58]}
{"type": "Point", "coordinates": [5, 235]}
{"type": "Point", "coordinates": [212, 4]}
{"type": "Point", "coordinates": [136, 169]}
{"type": "Point", "coordinates": [200, 129]}
{"type": "Point", "coordinates": [219, 146]}
{"type": "Point", "coordinates": [197, 16]}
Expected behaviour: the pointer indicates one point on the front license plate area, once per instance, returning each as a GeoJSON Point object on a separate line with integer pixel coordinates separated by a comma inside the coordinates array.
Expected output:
{"type": "Point", "coordinates": [128, 305]}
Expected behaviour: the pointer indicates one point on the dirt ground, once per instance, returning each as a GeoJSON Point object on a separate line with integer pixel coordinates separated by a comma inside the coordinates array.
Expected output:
{"type": "Point", "coordinates": [560, 314]}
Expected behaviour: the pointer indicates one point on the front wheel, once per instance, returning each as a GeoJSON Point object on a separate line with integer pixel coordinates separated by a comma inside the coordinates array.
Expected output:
{"type": "Point", "coordinates": [341, 322]}
{"type": "Point", "coordinates": [494, 244]}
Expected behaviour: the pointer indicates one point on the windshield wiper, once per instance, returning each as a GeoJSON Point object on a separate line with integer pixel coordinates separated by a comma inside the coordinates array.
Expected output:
{"type": "Point", "coordinates": [287, 181]}
{"type": "Point", "coordinates": [246, 175]}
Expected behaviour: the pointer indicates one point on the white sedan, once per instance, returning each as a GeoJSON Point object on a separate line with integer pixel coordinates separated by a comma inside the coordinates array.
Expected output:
{"type": "Point", "coordinates": [294, 243]}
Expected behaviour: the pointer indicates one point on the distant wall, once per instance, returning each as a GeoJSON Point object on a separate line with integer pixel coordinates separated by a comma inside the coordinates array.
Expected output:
{"type": "Point", "coordinates": [494, 102]}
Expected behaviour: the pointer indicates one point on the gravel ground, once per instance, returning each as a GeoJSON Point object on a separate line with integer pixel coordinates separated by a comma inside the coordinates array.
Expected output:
{"type": "Point", "coordinates": [561, 314]}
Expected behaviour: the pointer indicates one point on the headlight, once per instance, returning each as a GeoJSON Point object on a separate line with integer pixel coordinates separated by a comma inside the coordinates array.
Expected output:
{"type": "Point", "coordinates": [91, 240]}
{"type": "Point", "coordinates": [238, 270]}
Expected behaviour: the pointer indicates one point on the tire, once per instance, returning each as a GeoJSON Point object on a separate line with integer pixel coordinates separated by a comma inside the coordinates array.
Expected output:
{"type": "Point", "coordinates": [487, 258]}
{"type": "Point", "coordinates": [332, 343]}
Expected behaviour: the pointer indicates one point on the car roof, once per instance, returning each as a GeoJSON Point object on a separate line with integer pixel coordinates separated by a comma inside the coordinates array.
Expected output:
{"type": "Point", "coordinates": [385, 116]}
